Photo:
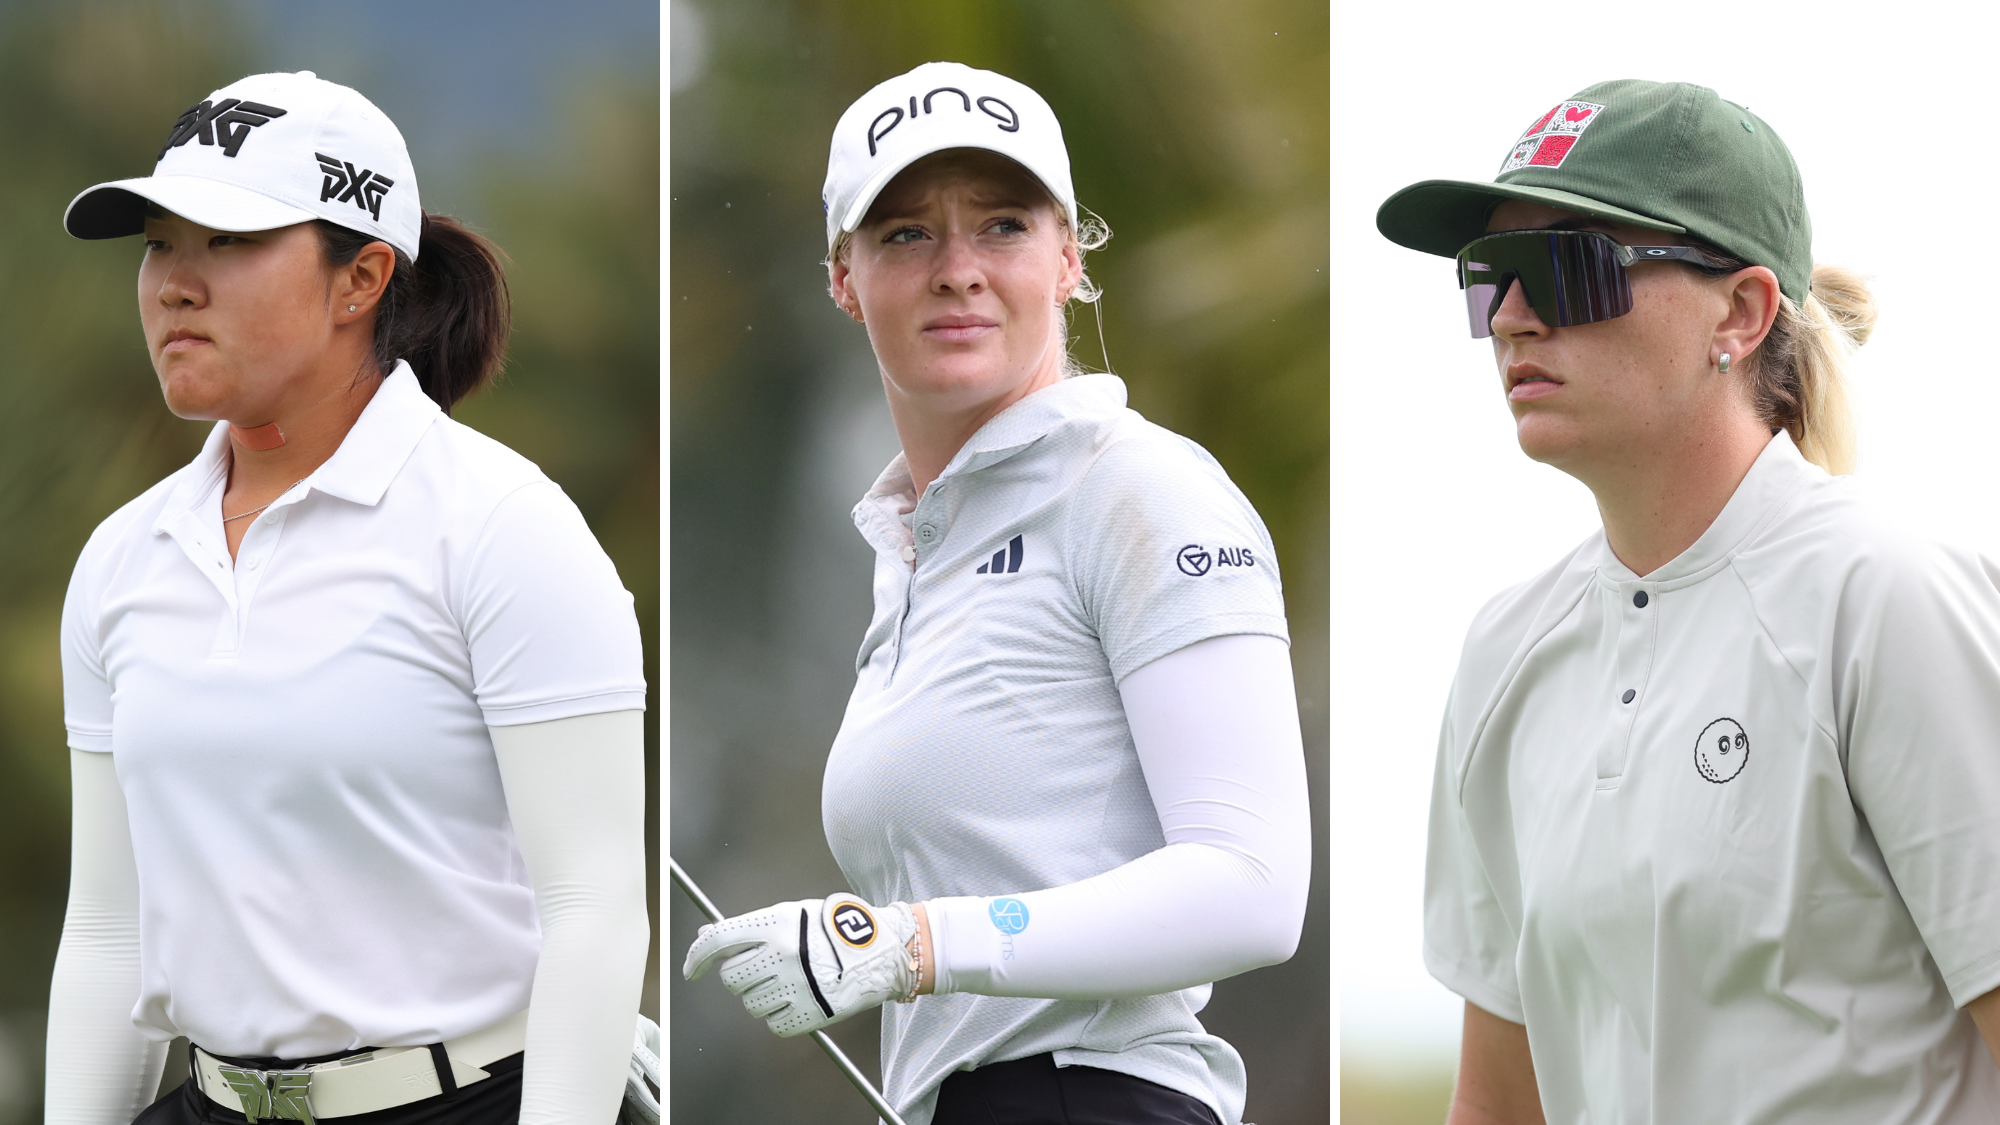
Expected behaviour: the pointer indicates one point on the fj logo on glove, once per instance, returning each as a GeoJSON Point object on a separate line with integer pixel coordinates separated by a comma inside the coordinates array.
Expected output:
{"type": "Point", "coordinates": [856, 926]}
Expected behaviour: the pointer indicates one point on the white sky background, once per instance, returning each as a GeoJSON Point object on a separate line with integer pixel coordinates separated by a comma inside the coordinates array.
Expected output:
{"type": "Point", "coordinates": [1888, 110]}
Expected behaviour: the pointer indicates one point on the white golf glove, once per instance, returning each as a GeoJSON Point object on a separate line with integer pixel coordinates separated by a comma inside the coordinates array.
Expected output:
{"type": "Point", "coordinates": [800, 966]}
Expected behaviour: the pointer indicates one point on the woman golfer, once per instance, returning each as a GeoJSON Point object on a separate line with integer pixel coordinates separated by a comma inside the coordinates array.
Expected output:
{"type": "Point", "coordinates": [353, 698]}
{"type": "Point", "coordinates": [1069, 790]}
{"type": "Point", "coordinates": [1715, 832]}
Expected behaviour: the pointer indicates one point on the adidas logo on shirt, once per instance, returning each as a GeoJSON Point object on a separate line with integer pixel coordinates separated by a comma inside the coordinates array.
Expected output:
{"type": "Point", "coordinates": [1006, 560]}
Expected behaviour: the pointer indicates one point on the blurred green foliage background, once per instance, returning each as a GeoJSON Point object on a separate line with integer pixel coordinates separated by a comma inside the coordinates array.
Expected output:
{"type": "Point", "coordinates": [1395, 1095]}
{"type": "Point", "coordinates": [1199, 131]}
{"type": "Point", "coordinates": [569, 188]}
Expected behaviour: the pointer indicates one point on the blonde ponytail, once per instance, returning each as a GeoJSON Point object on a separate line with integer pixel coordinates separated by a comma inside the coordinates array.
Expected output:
{"type": "Point", "coordinates": [1799, 374]}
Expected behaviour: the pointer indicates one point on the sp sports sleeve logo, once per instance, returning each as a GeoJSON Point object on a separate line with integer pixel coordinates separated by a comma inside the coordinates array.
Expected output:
{"type": "Point", "coordinates": [1009, 915]}
{"type": "Point", "coordinates": [344, 183]}
{"type": "Point", "coordinates": [226, 123]}
{"type": "Point", "coordinates": [1195, 560]}
{"type": "Point", "coordinates": [854, 924]}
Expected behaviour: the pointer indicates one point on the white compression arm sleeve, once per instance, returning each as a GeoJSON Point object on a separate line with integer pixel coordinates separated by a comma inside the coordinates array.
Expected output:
{"type": "Point", "coordinates": [100, 1070]}
{"type": "Point", "coordinates": [1217, 731]}
{"type": "Point", "coordinates": [576, 793]}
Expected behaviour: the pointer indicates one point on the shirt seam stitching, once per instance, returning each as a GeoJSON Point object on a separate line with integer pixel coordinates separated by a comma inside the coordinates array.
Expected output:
{"type": "Point", "coordinates": [455, 596]}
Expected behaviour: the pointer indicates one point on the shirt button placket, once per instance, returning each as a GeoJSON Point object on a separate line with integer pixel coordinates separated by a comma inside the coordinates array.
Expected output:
{"type": "Point", "coordinates": [1636, 624]}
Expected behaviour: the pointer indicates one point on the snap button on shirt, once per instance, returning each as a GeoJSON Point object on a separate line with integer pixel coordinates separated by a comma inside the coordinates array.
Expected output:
{"type": "Point", "coordinates": [302, 740]}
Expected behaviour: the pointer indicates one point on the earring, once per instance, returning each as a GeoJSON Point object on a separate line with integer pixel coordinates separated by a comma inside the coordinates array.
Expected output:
{"type": "Point", "coordinates": [1724, 365]}
{"type": "Point", "coordinates": [1725, 359]}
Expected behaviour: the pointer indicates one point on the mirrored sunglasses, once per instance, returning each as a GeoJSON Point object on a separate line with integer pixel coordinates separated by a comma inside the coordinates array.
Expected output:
{"type": "Point", "coordinates": [1569, 277]}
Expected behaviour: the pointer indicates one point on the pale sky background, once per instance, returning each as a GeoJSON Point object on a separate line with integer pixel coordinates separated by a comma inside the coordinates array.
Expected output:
{"type": "Point", "coordinates": [1887, 112]}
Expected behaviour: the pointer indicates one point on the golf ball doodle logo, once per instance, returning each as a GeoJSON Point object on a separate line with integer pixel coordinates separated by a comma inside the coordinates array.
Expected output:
{"type": "Point", "coordinates": [1194, 560]}
{"type": "Point", "coordinates": [855, 925]}
{"type": "Point", "coordinates": [1010, 915]}
{"type": "Point", "coordinates": [1722, 750]}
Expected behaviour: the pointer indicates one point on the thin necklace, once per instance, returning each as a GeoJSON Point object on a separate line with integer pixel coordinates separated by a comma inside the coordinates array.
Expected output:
{"type": "Point", "coordinates": [265, 504]}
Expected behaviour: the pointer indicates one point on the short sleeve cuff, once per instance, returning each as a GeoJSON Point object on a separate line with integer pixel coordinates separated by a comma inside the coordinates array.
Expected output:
{"type": "Point", "coordinates": [90, 741]}
{"type": "Point", "coordinates": [1975, 980]}
{"type": "Point", "coordinates": [599, 704]}
{"type": "Point", "coordinates": [1502, 1002]}
{"type": "Point", "coordinates": [1176, 637]}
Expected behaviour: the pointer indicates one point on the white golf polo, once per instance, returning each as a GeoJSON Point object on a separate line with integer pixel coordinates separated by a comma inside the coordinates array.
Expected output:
{"type": "Point", "coordinates": [1726, 838]}
{"type": "Point", "coordinates": [324, 851]}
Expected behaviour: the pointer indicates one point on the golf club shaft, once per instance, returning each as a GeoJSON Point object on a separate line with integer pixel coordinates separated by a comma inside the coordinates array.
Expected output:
{"type": "Point", "coordinates": [825, 1041]}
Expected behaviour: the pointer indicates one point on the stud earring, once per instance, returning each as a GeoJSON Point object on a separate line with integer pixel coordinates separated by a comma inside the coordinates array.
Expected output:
{"type": "Point", "coordinates": [1725, 359]}
{"type": "Point", "coordinates": [1724, 365]}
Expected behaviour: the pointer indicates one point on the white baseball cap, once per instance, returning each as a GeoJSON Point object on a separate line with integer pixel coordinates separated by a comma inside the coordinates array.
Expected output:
{"type": "Point", "coordinates": [265, 152]}
{"type": "Point", "coordinates": [937, 106]}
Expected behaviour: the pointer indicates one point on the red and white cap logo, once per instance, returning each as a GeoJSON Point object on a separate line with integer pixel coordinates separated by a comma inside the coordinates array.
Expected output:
{"type": "Point", "coordinates": [1547, 142]}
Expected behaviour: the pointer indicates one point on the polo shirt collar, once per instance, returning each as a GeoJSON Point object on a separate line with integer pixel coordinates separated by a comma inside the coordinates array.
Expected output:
{"type": "Point", "coordinates": [1773, 480]}
{"type": "Point", "coordinates": [381, 441]}
{"type": "Point", "coordinates": [198, 480]}
{"type": "Point", "coordinates": [1094, 397]}
{"type": "Point", "coordinates": [882, 515]}
{"type": "Point", "coordinates": [369, 457]}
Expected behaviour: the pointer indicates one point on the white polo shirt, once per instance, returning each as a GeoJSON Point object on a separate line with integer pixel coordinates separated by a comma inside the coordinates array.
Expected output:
{"type": "Point", "coordinates": [324, 854]}
{"type": "Point", "coordinates": [1726, 838]}
{"type": "Point", "coordinates": [985, 749]}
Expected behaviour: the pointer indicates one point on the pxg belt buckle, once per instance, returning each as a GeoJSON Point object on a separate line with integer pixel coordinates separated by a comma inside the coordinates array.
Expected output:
{"type": "Point", "coordinates": [275, 1094]}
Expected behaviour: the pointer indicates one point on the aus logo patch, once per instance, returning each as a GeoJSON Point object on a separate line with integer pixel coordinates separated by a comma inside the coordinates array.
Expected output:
{"type": "Point", "coordinates": [854, 924]}
{"type": "Point", "coordinates": [1722, 750]}
{"type": "Point", "coordinates": [1195, 560]}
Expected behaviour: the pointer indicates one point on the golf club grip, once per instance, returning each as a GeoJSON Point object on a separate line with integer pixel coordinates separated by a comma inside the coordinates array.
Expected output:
{"type": "Point", "coordinates": [825, 1041]}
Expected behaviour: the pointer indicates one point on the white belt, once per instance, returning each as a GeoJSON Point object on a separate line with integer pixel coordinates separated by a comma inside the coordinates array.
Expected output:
{"type": "Point", "coordinates": [380, 1079]}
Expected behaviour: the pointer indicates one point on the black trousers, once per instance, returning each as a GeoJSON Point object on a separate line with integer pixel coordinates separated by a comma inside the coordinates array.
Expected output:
{"type": "Point", "coordinates": [490, 1101]}
{"type": "Point", "coordinates": [1035, 1091]}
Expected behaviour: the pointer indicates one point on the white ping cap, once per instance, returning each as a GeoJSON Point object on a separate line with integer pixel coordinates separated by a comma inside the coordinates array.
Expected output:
{"type": "Point", "coordinates": [937, 106]}
{"type": "Point", "coordinates": [265, 152]}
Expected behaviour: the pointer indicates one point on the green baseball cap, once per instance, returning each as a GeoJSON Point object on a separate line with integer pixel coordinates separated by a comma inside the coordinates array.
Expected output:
{"type": "Point", "coordinates": [1668, 156]}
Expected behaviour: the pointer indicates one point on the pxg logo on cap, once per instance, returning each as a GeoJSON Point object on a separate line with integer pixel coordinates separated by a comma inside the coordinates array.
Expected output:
{"type": "Point", "coordinates": [343, 182]}
{"type": "Point", "coordinates": [227, 123]}
{"type": "Point", "coordinates": [939, 106]}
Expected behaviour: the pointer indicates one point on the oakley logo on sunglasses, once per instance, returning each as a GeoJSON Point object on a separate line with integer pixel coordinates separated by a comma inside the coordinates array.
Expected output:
{"type": "Point", "coordinates": [1547, 142]}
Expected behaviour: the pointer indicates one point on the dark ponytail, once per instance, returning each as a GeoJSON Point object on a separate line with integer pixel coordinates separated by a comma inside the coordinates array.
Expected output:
{"type": "Point", "coordinates": [447, 313]}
